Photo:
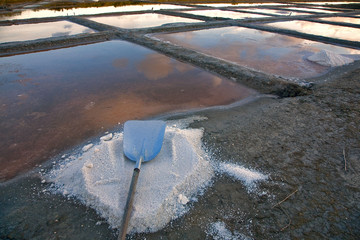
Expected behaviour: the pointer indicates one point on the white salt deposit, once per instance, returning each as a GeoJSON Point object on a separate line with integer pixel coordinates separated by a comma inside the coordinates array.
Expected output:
{"type": "Point", "coordinates": [329, 59]}
{"type": "Point", "coordinates": [247, 176]}
{"type": "Point", "coordinates": [101, 179]}
{"type": "Point", "coordinates": [218, 231]}
{"type": "Point", "coordinates": [106, 137]}
{"type": "Point", "coordinates": [87, 147]}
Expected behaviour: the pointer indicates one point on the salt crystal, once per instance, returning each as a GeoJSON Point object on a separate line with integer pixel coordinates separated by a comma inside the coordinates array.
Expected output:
{"type": "Point", "coordinates": [106, 137]}
{"type": "Point", "coordinates": [183, 199]}
{"type": "Point", "coordinates": [89, 165]}
{"type": "Point", "coordinates": [241, 173]}
{"type": "Point", "coordinates": [87, 147]}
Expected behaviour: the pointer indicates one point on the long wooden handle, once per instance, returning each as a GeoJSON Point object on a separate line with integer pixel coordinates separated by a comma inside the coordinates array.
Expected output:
{"type": "Point", "coordinates": [129, 203]}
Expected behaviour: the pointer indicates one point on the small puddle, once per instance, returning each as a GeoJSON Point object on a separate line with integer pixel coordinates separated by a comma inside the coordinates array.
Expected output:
{"type": "Point", "coordinates": [40, 30]}
{"type": "Point", "coordinates": [141, 20]}
{"type": "Point", "coordinates": [51, 101]}
{"type": "Point", "coordinates": [224, 14]}
{"type": "Point", "coordinates": [267, 52]}
{"type": "Point", "coordinates": [277, 12]}
{"type": "Point", "coordinates": [322, 29]}
{"type": "Point", "coordinates": [86, 11]}
{"type": "Point", "coordinates": [342, 19]}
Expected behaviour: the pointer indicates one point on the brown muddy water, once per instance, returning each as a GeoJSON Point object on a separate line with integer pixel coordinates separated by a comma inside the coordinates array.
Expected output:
{"type": "Point", "coordinates": [141, 20]}
{"type": "Point", "coordinates": [268, 52]}
{"type": "Point", "coordinates": [50, 101]}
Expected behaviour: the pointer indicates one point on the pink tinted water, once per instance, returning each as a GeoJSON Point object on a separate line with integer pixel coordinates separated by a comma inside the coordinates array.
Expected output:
{"type": "Point", "coordinates": [50, 101]}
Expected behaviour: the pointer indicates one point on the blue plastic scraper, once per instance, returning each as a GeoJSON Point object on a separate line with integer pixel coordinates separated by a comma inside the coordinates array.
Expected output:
{"type": "Point", "coordinates": [142, 142]}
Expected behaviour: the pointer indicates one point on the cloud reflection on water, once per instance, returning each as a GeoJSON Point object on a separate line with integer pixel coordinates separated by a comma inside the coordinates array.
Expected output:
{"type": "Point", "coordinates": [267, 52]}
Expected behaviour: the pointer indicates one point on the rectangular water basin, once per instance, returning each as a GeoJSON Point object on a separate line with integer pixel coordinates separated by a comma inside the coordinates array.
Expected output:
{"type": "Point", "coordinates": [224, 14]}
{"type": "Point", "coordinates": [53, 100]}
{"type": "Point", "coordinates": [264, 51]}
{"type": "Point", "coordinates": [342, 19]}
{"type": "Point", "coordinates": [141, 20]}
{"type": "Point", "coordinates": [310, 10]}
{"type": "Point", "coordinates": [273, 11]}
{"type": "Point", "coordinates": [87, 11]}
{"type": "Point", "coordinates": [40, 30]}
{"type": "Point", "coordinates": [321, 29]}
{"type": "Point", "coordinates": [238, 4]}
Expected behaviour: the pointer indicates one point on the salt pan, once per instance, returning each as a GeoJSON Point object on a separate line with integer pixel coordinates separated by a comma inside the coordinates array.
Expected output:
{"type": "Point", "coordinates": [330, 59]}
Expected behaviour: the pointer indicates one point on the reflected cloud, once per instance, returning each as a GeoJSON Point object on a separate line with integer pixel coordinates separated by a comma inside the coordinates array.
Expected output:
{"type": "Point", "coordinates": [40, 30]}
{"type": "Point", "coordinates": [263, 51]}
{"type": "Point", "coordinates": [120, 63]}
{"type": "Point", "coordinates": [155, 66]}
{"type": "Point", "coordinates": [326, 30]}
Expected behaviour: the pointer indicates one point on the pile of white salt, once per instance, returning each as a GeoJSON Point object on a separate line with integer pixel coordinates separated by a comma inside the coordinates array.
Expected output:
{"type": "Point", "coordinates": [330, 59]}
{"type": "Point", "coordinates": [100, 178]}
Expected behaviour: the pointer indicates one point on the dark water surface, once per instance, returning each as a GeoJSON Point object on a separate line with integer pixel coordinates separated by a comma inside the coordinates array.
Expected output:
{"type": "Point", "coordinates": [53, 100]}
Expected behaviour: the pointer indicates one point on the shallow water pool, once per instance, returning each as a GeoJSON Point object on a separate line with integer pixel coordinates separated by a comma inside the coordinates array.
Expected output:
{"type": "Point", "coordinates": [266, 52]}
{"type": "Point", "coordinates": [342, 19]}
{"type": "Point", "coordinates": [225, 14]}
{"type": "Point", "coordinates": [40, 30]}
{"type": "Point", "coordinates": [51, 101]}
{"type": "Point", "coordinates": [86, 11]}
{"type": "Point", "coordinates": [322, 29]}
{"type": "Point", "coordinates": [141, 20]}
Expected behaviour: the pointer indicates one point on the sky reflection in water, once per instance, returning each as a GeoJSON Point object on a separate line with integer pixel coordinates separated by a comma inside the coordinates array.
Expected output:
{"type": "Point", "coordinates": [322, 29]}
{"type": "Point", "coordinates": [50, 101]}
{"type": "Point", "coordinates": [267, 52]}
{"type": "Point", "coordinates": [141, 20]}
{"type": "Point", "coordinates": [40, 30]}
{"type": "Point", "coordinates": [225, 14]}
{"type": "Point", "coordinates": [342, 19]}
{"type": "Point", "coordinates": [87, 11]}
{"type": "Point", "coordinates": [277, 12]}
